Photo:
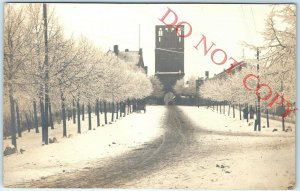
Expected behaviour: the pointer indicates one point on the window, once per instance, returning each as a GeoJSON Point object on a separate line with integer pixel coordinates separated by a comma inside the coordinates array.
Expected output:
{"type": "Point", "coordinates": [179, 32]}
{"type": "Point", "coordinates": [160, 32]}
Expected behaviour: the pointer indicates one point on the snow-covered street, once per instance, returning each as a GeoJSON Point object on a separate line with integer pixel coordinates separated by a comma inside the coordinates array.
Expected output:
{"type": "Point", "coordinates": [227, 154]}
{"type": "Point", "coordinates": [168, 147]}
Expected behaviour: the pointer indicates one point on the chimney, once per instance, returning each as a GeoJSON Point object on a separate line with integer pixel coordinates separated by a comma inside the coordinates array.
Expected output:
{"type": "Point", "coordinates": [206, 74]}
{"type": "Point", "coordinates": [126, 50]}
{"type": "Point", "coordinates": [116, 49]}
{"type": "Point", "coordinates": [141, 51]}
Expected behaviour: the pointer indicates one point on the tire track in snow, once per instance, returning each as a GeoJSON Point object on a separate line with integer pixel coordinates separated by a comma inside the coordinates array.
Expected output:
{"type": "Point", "coordinates": [154, 156]}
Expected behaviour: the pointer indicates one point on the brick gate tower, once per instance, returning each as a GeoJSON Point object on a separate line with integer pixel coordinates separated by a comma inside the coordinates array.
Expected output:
{"type": "Point", "coordinates": [169, 55]}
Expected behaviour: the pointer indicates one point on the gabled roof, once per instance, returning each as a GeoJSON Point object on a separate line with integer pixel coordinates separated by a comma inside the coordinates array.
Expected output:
{"type": "Point", "coordinates": [132, 57]}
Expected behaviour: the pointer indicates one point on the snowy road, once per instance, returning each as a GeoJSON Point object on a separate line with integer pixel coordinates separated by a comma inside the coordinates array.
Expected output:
{"type": "Point", "coordinates": [164, 151]}
{"type": "Point", "coordinates": [189, 155]}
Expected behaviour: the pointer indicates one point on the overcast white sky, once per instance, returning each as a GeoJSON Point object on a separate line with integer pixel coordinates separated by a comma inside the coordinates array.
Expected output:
{"type": "Point", "coordinates": [224, 24]}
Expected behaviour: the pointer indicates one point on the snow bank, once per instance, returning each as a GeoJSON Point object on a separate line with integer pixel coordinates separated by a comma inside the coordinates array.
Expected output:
{"type": "Point", "coordinates": [80, 150]}
{"type": "Point", "coordinates": [208, 119]}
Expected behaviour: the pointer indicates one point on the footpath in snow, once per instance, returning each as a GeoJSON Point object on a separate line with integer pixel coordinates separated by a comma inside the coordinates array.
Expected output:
{"type": "Point", "coordinates": [80, 151]}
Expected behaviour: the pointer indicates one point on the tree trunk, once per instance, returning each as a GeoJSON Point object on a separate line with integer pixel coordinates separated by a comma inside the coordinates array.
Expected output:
{"type": "Point", "coordinates": [18, 121]}
{"type": "Point", "coordinates": [117, 112]}
{"type": "Point", "coordinates": [247, 113]}
{"type": "Point", "coordinates": [256, 120]}
{"type": "Point", "coordinates": [74, 113]}
{"type": "Point", "coordinates": [57, 116]}
{"type": "Point", "coordinates": [283, 125]}
{"type": "Point", "coordinates": [256, 111]}
{"type": "Point", "coordinates": [100, 107]}
{"type": "Point", "coordinates": [112, 111]}
{"type": "Point", "coordinates": [30, 119]}
{"type": "Point", "coordinates": [233, 111]}
{"type": "Point", "coordinates": [83, 112]}
{"type": "Point", "coordinates": [268, 125]}
{"type": "Point", "coordinates": [78, 117]}
{"type": "Point", "coordinates": [46, 77]}
{"type": "Point", "coordinates": [27, 122]}
{"type": "Point", "coordinates": [240, 112]}
{"type": "Point", "coordinates": [105, 112]}
{"type": "Point", "coordinates": [12, 118]}
{"type": "Point", "coordinates": [98, 112]}
{"type": "Point", "coordinates": [43, 120]}
{"type": "Point", "coordinates": [50, 116]}
{"type": "Point", "coordinates": [128, 109]}
{"type": "Point", "coordinates": [63, 111]}
{"type": "Point", "coordinates": [90, 116]}
{"type": "Point", "coordinates": [120, 106]}
{"type": "Point", "coordinates": [46, 121]}
{"type": "Point", "coordinates": [228, 110]}
{"type": "Point", "coordinates": [109, 106]}
{"type": "Point", "coordinates": [36, 126]}
{"type": "Point", "coordinates": [69, 114]}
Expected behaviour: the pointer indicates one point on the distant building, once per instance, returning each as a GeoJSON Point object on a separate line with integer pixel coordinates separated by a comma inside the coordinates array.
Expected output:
{"type": "Point", "coordinates": [135, 57]}
{"type": "Point", "coordinates": [169, 55]}
{"type": "Point", "coordinates": [224, 75]}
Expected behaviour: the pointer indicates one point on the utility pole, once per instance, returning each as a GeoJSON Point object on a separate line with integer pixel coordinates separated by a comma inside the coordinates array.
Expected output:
{"type": "Point", "coordinates": [197, 92]}
{"type": "Point", "coordinates": [198, 84]}
{"type": "Point", "coordinates": [258, 118]}
{"type": "Point", "coordinates": [283, 108]}
{"type": "Point", "coordinates": [139, 36]}
{"type": "Point", "coordinates": [46, 77]}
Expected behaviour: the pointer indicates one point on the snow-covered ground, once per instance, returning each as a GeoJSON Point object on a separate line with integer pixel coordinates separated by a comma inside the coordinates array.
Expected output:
{"type": "Point", "coordinates": [214, 121]}
{"type": "Point", "coordinates": [228, 154]}
{"type": "Point", "coordinates": [80, 150]}
{"type": "Point", "coordinates": [224, 153]}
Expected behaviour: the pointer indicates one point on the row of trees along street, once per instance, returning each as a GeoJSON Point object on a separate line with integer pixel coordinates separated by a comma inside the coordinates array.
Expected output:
{"type": "Point", "coordinates": [157, 94]}
{"type": "Point", "coordinates": [49, 76]}
{"type": "Point", "coordinates": [277, 68]}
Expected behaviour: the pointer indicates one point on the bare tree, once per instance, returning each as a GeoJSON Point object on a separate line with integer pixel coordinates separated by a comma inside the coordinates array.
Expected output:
{"type": "Point", "coordinates": [16, 52]}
